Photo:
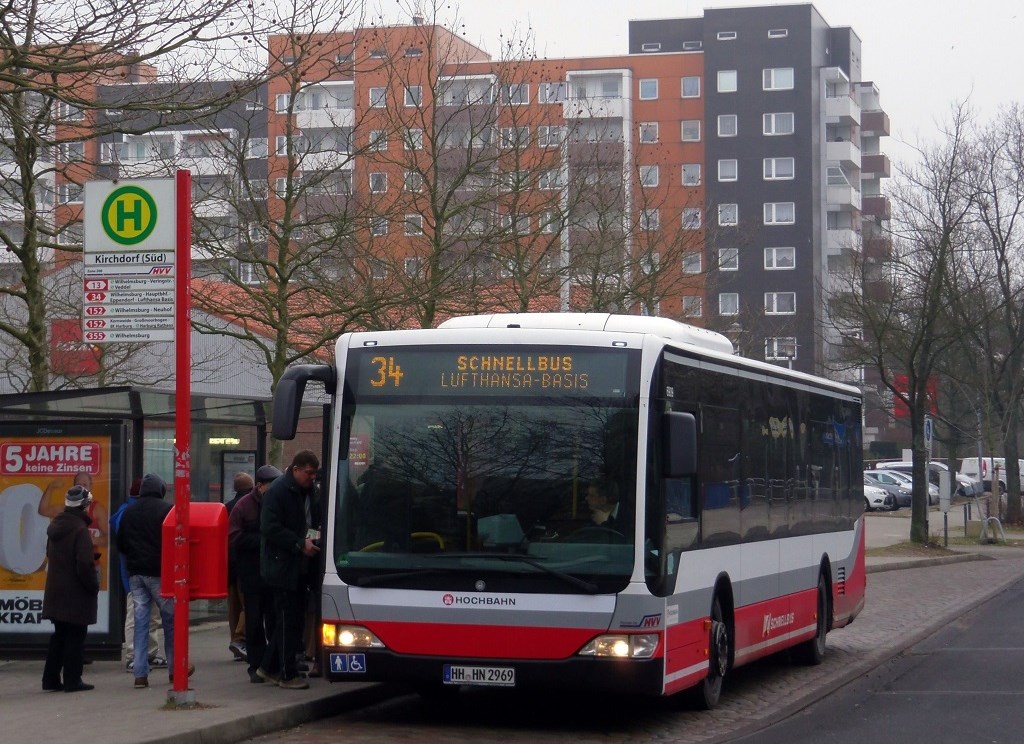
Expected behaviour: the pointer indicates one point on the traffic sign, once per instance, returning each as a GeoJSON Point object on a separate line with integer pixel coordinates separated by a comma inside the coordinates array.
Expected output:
{"type": "Point", "coordinates": [129, 215]}
{"type": "Point", "coordinates": [928, 434]}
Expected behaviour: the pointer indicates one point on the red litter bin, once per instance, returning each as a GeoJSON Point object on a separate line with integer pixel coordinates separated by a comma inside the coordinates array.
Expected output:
{"type": "Point", "coordinates": [207, 551]}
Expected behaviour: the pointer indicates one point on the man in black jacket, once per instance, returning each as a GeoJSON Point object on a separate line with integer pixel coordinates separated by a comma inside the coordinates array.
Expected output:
{"type": "Point", "coordinates": [289, 509]}
{"type": "Point", "coordinates": [69, 599]}
{"type": "Point", "coordinates": [140, 539]}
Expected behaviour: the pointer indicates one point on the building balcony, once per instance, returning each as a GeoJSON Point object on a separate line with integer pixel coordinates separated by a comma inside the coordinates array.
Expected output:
{"type": "Point", "coordinates": [326, 118]}
{"type": "Point", "coordinates": [877, 207]}
{"type": "Point", "coordinates": [876, 166]}
{"type": "Point", "coordinates": [596, 107]}
{"type": "Point", "coordinates": [878, 249]}
{"type": "Point", "coordinates": [874, 123]}
{"type": "Point", "coordinates": [843, 197]}
{"type": "Point", "coordinates": [842, 110]}
{"type": "Point", "coordinates": [843, 152]}
{"type": "Point", "coordinates": [206, 166]}
{"type": "Point", "coordinates": [327, 160]}
{"type": "Point", "coordinates": [211, 207]}
{"type": "Point", "coordinates": [839, 241]}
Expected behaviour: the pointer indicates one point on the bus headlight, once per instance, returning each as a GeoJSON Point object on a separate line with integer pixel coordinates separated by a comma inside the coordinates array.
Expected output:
{"type": "Point", "coordinates": [622, 646]}
{"type": "Point", "coordinates": [349, 636]}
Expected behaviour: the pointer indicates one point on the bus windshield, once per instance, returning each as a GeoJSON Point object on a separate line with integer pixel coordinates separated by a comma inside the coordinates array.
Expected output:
{"type": "Point", "coordinates": [517, 484]}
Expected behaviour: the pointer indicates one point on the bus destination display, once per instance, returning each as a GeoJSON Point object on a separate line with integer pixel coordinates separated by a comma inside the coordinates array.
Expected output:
{"type": "Point", "coordinates": [402, 371]}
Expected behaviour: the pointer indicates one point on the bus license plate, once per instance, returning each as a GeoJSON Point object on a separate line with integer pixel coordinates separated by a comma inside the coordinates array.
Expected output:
{"type": "Point", "coordinates": [474, 675]}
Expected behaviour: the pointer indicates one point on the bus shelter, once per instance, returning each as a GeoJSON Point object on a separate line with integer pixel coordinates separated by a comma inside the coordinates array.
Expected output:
{"type": "Point", "coordinates": [103, 438]}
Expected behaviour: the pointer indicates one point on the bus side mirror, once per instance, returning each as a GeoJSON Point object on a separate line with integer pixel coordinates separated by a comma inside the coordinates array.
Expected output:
{"type": "Point", "coordinates": [288, 396]}
{"type": "Point", "coordinates": [679, 444]}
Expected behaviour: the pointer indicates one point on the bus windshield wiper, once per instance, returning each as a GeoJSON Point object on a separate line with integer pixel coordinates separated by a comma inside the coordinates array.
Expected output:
{"type": "Point", "coordinates": [588, 586]}
{"type": "Point", "coordinates": [387, 578]}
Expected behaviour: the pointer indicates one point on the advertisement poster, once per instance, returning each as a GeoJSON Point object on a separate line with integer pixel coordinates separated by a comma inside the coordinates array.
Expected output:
{"type": "Point", "coordinates": [36, 470]}
{"type": "Point", "coordinates": [233, 462]}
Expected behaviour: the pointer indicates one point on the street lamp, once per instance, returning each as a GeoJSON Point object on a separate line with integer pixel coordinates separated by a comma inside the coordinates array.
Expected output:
{"type": "Point", "coordinates": [735, 333]}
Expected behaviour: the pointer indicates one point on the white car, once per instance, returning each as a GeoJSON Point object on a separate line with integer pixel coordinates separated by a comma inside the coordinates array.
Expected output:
{"type": "Point", "coordinates": [877, 498]}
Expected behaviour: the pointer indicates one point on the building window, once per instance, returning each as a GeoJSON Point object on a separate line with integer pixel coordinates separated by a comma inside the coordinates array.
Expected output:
{"type": "Point", "coordinates": [648, 175]}
{"type": "Point", "coordinates": [412, 265]}
{"type": "Point", "coordinates": [727, 125]}
{"type": "Point", "coordinates": [549, 180]}
{"type": "Point", "coordinates": [692, 306]}
{"type": "Point", "coordinates": [378, 97]}
{"type": "Point", "coordinates": [728, 215]}
{"type": "Point", "coordinates": [729, 303]}
{"type": "Point", "coordinates": [728, 259]}
{"type": "Point", "coordinates": [779, 213]}
{"type": "Point", "coordinates": [691, 174]}
{"type": "Point", "coordinates": [281, 102]}
{"type": "Point", "coordinates": [728, 169]}
{"type": "Point", "coordinates": [378, 183]}
{"type": "Point", "coordinates": [414, 224]}
{"type": "Point", "coordinates": [691, 130]}
{"type": "Point", "coordinates": [692, 46]}
{"type": "Point", "coordinates": [72, 152]}
{"type": "Point", "coordinates": [513, 137]}
{"type": "Point", "coordinates": [691, 263]}
{"type": "Point", "coordinates": [778, 33]}
{"type": "Point", "coordinates": [649, 132]}
{"type": "Point", "coordinates": [776, 124]}
{"type": "Point", "coordinates": [649, 89]}
{"type": "Point", "coordinates": [552, 92]}
{"type": "Point", "coordinates": [780, 348]}
{"type": "Point", "coordinates": [549, 136]}
{"type": "Point", "coordinates": [256, 148]}
{"type": "Point", "coordinates": [378, 54]}
{"type": "Point", "coordinates": [727, 81]}
{"type": "Point", "coordinates": [378, 139]}
{"type": "Point", "coordinates": [69, 193]}
{"type": "Point", "coordinates": [413, 139]}
{"type": "Point", "coordinates": [650, 46]}
{"type": "Point", "coordinates": [379, 269]}
{"type": "Point", "coordinates": [726, 35]}
{"type": "Point", "coordinates": [413, 52]}
{"type": "Point", "coordinates": [691, 86]}
{"type": "Point", "coordinates": [379, 226]}
{"type": "Point", "coordinates": [778, 78]}
{"type": "Point", "coordinates": [413, 182]}
{"type": "Point", "coordinates": [779, 303]}
{"type": "Point", "coordinates": [780, 258]}
{"type": "Point", "coordinates": [691, 218]}
{"type": "Point", "coordinates": [650, 219]}
{"type": "Point", "coordinates": [779, 169]}
{"type": "Point", "coordinates": [69, 112]}
{"type": "Point", "coordinates": [413, 95]}
{"type": "Point", "coordinates": [518, 224]}
{"type": "Point", "coordinates": [549, 222]}
{"type": "Point", "coordinates": [515, 94]}
{"type": "Point", "coordinates": [649, 263]}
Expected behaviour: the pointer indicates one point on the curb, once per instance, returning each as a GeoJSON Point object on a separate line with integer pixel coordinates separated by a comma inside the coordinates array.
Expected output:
{"type": "Point", "coordinates": [938, 560]}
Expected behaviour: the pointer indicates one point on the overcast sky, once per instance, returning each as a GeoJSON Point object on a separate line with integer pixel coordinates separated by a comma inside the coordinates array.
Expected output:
{"type": "Point", "coordinates": [922, 54]}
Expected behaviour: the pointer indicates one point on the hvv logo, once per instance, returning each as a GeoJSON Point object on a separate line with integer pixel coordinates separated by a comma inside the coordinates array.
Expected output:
{"type": "Point", "coordinates": [647, 621]}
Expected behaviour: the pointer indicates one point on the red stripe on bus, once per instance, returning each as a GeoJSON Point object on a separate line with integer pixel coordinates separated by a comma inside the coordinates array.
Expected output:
{"type": "Point", "coordinates": [481, 641]}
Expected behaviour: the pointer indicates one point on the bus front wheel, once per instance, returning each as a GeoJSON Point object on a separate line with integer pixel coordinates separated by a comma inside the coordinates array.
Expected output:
{"type": "Point", "coordinates": [708, 691]}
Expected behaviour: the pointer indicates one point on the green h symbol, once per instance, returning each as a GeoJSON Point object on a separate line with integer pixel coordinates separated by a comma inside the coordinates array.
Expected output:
{"type": "Point", "coordinates": [124, 214]}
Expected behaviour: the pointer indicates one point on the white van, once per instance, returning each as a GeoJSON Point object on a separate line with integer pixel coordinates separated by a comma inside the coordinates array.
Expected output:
{"type": "Point", "coordinates": [969, 468]}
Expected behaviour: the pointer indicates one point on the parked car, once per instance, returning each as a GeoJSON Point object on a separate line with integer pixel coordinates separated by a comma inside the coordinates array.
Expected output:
{"type": "Point", "coordinates": [962, 486]}
{"type": "Point", "coordinates": [969, 470]}
{"type": "Point", "coordinates": [895, 483]}
{"type": "Point", "coordinates": [876, 498]}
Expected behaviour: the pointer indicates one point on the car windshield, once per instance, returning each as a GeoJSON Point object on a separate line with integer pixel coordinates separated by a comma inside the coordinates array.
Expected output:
{"type": "Point", "coordinates": [458, 491]}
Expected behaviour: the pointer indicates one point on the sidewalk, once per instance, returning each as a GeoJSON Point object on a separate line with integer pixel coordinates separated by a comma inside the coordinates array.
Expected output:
{"type": "Point", "coordinates": [903, 606]}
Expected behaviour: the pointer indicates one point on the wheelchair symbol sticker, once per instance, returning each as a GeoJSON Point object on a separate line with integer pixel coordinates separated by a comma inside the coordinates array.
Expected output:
{"type": "Point", "coordinates": [354, 663]}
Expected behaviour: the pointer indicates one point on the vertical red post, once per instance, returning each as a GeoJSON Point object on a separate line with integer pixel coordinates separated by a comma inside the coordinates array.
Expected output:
{"type": "Point", "coordinates": [182, 421]}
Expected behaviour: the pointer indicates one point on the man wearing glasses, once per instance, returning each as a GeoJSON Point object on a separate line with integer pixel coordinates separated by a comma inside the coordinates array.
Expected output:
{"type": "Point", "coordinates": [287, 544]}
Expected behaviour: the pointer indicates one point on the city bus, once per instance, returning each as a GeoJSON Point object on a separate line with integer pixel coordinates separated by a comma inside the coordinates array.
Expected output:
{"type": "Point", "coordinates": [464, 543]}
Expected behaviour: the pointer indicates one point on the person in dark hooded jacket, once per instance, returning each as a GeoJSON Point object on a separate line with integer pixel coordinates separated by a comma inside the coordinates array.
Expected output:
{"type": "Point", "coordinates": [72, 586]}
{"type": "Point", "coordinates": [140, 539]}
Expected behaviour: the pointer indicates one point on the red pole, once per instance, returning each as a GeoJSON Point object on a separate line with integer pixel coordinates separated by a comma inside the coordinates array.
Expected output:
{"type": "Point", "coordinates": [182, 422]}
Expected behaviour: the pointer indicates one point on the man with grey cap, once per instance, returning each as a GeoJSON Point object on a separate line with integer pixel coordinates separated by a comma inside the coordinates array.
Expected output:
{"type": "Point", "coordinates": [72, 585]}
{"type": "Point", "coordinates": [244, 550]}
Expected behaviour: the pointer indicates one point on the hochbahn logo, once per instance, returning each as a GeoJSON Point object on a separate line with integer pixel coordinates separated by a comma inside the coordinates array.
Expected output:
{"type": "Point", "coordinates": [472, 599]}
{"type": "Point", "coordinates": [129, 215]}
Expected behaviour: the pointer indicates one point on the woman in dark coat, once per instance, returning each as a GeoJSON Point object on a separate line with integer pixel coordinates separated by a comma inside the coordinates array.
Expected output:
{"type": "Point", "coordinates": [72, 586]}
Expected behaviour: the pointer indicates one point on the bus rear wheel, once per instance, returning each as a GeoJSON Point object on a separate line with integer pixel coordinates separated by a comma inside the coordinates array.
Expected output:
{"type": "Point", "coordinates": [811, 652]}
{"type": "Point", "coordinates": [706, 694]}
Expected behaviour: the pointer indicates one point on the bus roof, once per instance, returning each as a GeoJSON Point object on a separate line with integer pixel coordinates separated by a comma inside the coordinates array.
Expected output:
{"type": "Point", "coordinates": [662, 327]}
